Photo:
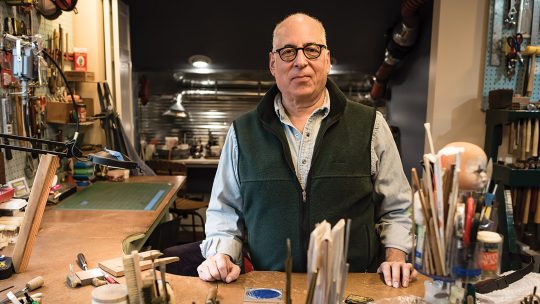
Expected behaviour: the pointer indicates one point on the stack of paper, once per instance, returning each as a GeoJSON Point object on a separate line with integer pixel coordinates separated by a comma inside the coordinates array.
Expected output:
{"type": "Point", "coordinates": [327, 263]}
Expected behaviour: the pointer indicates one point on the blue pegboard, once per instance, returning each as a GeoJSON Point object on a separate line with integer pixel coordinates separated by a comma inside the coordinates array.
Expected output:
{"type": "Point", "coordinates": [15, 167]}
{"type": "Point", "coordinates": [495, 76]}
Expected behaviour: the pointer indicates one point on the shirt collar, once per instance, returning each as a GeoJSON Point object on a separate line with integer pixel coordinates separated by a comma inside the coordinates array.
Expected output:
{"type": "Point", "coordinates": [324, 109]}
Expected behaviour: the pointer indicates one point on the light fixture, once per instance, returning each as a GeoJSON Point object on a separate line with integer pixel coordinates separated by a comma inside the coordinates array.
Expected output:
{"type": "Point", "coordinates": [177, 109]}
{"type": "Point", "coordinates": [200, 61]}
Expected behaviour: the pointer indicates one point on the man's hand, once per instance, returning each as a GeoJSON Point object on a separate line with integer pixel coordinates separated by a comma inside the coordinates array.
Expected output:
{"type": "Point", "coordinates": [396, 267]}
{"type": "Point", "coordinates": [218, 267]}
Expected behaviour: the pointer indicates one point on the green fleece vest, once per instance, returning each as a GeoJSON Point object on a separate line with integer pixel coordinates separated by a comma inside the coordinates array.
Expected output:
{"type": "Point", "coordinates": [339, 184]}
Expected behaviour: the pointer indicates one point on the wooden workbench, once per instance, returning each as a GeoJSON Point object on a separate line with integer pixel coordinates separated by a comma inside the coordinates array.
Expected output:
{"type": "Point", "coordinates": [102, 235]}
{"type": "Point", "coordinates": [99, 234]}
{"type": "Point", "coordinates": [191, 289]}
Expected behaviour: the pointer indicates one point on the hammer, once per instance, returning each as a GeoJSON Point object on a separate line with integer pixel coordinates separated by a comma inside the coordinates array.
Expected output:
{"type": "Point", "coordinates": [532, 51]}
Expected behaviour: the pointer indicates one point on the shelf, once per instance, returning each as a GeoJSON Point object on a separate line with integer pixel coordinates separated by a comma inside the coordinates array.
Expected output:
{"type": "Point", "coordinates": [82, 124]}
{"type": "Point", "coordinates": [505, 116]}
{"type": "Point", "coordinates": [516, 177]}
{"type": "Point", "coordinates": [495, 119]}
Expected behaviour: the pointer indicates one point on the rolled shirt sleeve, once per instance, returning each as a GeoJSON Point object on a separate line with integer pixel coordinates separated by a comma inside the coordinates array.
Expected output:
{"type": "Point", "coordinates": [394, 222]}
{"type": "Point", "coordinates": [224, 227]}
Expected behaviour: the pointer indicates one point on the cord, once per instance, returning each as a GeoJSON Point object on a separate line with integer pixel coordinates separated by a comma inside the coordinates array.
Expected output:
{"type": "Point", "coordinates": [69, 91]}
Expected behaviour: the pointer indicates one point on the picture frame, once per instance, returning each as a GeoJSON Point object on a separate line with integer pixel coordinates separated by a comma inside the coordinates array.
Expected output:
{"type": "Point", "coordinates": [20, 185]}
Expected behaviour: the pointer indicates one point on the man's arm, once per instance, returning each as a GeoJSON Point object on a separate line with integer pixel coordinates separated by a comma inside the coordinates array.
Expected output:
{"type": "Point", "coordinates": [394, 223]}
{"type": "Point", "coordinates": [223, 244]}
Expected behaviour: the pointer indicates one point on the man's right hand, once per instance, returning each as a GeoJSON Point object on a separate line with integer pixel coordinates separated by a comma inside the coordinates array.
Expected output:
{"type": "Point", "coordinates": [218, 267]}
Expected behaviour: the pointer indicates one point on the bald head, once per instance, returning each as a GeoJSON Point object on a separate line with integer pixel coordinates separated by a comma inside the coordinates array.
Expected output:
{"type": "Point", "coordinates": [295, 20]}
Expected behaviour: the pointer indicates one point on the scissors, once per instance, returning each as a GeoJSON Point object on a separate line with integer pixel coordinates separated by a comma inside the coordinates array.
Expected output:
{"type": "Point", "coordinates": [514, 42]}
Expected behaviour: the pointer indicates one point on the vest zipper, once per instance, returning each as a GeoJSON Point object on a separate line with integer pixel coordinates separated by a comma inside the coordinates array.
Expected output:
{"type": "Point", "coordinates": [305, 229]}
{"type": "Point", "coordinates": [302, 198]}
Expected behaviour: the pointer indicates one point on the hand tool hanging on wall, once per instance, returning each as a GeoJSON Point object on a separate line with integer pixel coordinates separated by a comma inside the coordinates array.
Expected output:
{"type": "Point", "coordinates": [496, 37]}
{"type": "Point", "coordinates": [6, 127]}
{"type": "Point", "coordinates": [510, 19]}
{"type": "Point", "coordinates": [60, 60]}
{"type": "Point", "coordinates": [104, 118]}
{"type": "Point", "coordinates": [513, 53]}
{"type": "Point", "coordinates": [525, 18]}
{"type": "Point", "coordinates": [536, 135]}
{"type": "Point", "coordinates": [532, 51]}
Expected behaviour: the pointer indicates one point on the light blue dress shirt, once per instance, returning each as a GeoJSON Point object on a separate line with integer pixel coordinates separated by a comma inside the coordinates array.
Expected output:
{"type": "Point", "coordinates": [224, 227]}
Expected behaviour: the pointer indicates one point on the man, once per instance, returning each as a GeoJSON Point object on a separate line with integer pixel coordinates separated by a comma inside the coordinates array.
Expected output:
{"type": "Point", "coordinates": [306, 154]}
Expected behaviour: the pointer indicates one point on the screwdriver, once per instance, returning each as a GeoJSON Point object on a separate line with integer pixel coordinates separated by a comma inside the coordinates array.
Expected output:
{"type": "Point", "coordinates": [81, 261]}
{"type": "Point", "coordinates": [33, 284]}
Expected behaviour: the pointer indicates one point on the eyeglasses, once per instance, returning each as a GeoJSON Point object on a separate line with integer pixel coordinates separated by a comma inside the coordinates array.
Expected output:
{"type": "Point", "coordinates": [311, 51]}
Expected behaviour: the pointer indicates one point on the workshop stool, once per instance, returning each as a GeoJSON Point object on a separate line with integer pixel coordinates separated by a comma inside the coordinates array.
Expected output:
{"type": "Point", "coordinates": [184, 207]}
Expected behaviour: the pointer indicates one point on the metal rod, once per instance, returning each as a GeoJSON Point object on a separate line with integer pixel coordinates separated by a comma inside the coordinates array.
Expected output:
{"type": "Point", "coordinates": [19, 148]}
{"type": "Point", "coordinates": [31, 139]}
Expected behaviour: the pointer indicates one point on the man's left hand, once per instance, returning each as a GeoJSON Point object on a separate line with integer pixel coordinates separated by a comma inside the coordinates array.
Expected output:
{"type": "Point", "coordinates": [396, 270]}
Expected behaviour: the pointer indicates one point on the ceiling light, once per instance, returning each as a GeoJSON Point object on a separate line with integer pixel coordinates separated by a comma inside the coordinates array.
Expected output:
{"type": "Point", "coordinates": [200, 61]}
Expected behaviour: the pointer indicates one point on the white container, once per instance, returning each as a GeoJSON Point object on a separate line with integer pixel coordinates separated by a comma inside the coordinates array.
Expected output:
{"type": "Point", "coordinates": [110, 293]}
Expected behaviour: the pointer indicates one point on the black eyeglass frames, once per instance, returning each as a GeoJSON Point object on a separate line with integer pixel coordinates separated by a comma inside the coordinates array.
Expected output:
{"type": "Point", "coordinates": [311, 51]}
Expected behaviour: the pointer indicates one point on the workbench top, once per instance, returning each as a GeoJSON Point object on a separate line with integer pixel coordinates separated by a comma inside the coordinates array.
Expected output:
{"type": "Point", "coordinates": [191, 289]}
{"type": "Point", "coordinates": [102, 235]}
{"type": "Point", "coordinates": [99, 234]}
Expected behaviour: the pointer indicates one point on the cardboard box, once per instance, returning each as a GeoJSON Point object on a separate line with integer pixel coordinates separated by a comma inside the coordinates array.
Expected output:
{"type": "Point", "coordinates": [60, 112]}
{"type": "Point", "coordinates": [79, 59]}
{"type": "Point", "coordinates": [79, 76]}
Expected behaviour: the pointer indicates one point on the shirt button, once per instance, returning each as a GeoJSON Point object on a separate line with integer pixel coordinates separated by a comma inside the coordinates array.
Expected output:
{"type": "Point", "coordinates": [303, 162]}
{"type": "Point", "coordinates": [307, 134]}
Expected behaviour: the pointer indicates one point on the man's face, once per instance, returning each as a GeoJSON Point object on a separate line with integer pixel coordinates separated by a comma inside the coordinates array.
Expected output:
{"type": "Point", "coordinates": [302, 78]}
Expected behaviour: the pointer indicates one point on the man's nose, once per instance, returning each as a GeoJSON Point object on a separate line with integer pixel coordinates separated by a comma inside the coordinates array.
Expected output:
{"type": "Point", "coordinates": [300, 59]}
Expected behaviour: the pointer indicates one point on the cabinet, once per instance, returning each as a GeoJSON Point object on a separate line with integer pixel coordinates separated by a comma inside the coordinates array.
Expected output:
{"type": "Point", "coordinates": [507, 176]}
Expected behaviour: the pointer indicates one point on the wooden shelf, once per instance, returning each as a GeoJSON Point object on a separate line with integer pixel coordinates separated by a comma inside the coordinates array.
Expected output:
{"type": "Point", "coordinates": [516, 177]}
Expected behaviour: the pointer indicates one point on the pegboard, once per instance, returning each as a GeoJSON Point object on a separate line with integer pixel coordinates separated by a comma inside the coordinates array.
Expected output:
{"type": "Point", "coordinates": [495, 76]}
{"type": "Point", "coordinates": [15, 168]}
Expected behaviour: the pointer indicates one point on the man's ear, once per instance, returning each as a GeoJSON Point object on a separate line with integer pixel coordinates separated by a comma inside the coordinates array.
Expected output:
{"type": "Point", "coordinates": [272, 62]}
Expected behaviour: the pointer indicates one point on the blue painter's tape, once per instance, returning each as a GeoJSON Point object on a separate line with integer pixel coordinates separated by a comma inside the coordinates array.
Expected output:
{"type": "Point", "coordinates": [264, 293]}
{"type": "Point", "coordinates": [154, 200]}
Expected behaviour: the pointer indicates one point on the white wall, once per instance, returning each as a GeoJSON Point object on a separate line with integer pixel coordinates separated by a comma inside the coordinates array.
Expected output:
{"type": "Point", "coordinates": [88, 33]}
{"type": "Point", "coordinates": [456, 72]}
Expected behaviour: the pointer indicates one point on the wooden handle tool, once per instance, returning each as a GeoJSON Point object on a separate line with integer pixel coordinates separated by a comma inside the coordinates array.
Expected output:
{"type": "Point", "coordinates": [511, 137]}
{"type": "Point", "coordinates": [536, 134]}
{"type": "Point", "coordinates": [528, 136]}
{"type": "Point", "coordinates": [527, 201]}
{"type": "Point", "coordinates": [532, 65]}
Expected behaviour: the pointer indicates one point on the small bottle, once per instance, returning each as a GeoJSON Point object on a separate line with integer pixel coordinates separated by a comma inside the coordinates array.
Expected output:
{"type": "Point", "coordinates": [489, 246]}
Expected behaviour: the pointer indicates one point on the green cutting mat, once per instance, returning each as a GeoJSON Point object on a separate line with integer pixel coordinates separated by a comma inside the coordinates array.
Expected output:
{"type": "Point", "coordinates": [117, 196]}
